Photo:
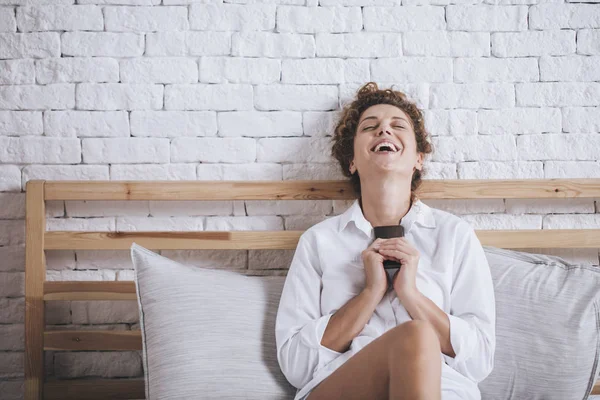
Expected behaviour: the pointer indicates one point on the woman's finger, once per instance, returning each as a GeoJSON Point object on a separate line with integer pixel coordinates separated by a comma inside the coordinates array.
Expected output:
{"type": "Point", "coordinates": [397, 255]}
{"type": "Point", "coordinates": [403, 248]}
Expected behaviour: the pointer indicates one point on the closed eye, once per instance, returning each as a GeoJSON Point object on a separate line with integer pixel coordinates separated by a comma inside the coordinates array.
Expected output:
{"type": "Point", "coordinates": [395, 126]}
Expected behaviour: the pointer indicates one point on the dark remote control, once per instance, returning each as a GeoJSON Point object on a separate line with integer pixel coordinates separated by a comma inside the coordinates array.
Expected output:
{"type": "Point", "coordinates": [386, 232]}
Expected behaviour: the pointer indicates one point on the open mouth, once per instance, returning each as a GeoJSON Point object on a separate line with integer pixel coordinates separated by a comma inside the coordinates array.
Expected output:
{"type": "Point", "coordinates": [385, 148]}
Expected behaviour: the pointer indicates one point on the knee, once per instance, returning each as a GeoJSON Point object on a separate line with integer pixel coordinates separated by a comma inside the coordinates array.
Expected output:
{"type": "Point", "coordinates": [415, 337]}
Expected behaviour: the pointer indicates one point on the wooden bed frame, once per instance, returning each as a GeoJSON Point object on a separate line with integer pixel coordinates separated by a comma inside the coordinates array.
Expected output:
{"type": "Point", "coordinates": [38, 290]}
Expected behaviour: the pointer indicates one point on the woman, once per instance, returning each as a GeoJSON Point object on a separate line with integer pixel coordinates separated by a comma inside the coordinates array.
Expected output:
{"type": "Point", "coordinates": [346, 328]}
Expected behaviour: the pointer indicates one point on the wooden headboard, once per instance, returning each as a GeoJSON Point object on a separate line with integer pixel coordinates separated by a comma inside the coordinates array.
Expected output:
{"type": "Point", "coordinates": [38, 291]}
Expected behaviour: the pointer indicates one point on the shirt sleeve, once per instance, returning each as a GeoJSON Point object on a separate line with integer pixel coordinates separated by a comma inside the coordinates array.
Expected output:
{"type": "Point", "coordinates": [299, 325]}
{"type": "Point", "coordinates": [472, 310]}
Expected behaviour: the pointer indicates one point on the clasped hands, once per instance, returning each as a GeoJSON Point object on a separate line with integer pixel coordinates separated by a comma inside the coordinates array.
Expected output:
{"type": "Point", "coordinates": [401, 250]}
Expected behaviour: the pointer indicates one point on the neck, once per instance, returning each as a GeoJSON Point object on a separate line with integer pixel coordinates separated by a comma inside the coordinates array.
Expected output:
{"type": "Point", "coordinates": [385, 204]}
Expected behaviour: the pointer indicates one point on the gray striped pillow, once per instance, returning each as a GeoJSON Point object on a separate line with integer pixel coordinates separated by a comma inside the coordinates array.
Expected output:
{"type": "Point", "coordinates": [207, 333]}
{"type": "Point", "coordinates": [547, 327]}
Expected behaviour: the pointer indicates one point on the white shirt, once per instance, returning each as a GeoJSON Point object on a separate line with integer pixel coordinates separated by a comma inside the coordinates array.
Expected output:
{"type": "Point", "coordinates": [327, 271]}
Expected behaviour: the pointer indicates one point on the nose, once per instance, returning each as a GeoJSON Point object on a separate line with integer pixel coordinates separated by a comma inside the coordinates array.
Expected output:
{"type": "Point", "coordinates": [384, 129]}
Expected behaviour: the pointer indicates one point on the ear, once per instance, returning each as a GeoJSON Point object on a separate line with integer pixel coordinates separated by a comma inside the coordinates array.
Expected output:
{"type": "Point", "coordinates": [419, 164]}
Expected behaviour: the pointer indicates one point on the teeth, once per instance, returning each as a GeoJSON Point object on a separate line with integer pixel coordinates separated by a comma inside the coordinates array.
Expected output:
{"type": "Point", "coordinates": [388, 144]}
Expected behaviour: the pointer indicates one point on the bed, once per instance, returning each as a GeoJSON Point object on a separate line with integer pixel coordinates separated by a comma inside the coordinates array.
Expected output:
{"type": "Point", "coordinates": [39, 291]}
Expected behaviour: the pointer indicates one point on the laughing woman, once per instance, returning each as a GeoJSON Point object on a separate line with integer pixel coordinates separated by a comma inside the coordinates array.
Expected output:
{"type": "Point", "coordinates": [346, 328]}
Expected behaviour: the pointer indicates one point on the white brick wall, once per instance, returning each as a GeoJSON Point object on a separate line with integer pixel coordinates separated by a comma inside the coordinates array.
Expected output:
{"type": "Point", "coordinates": [234, 90]}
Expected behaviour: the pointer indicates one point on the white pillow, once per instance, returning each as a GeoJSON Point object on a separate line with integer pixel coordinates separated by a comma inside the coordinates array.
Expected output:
{"type": "Point", "coordinates": [207, 333]}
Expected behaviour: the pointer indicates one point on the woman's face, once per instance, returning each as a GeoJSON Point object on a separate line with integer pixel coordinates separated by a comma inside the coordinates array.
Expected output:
{"type": "Point", "coordinates": [385, 121]}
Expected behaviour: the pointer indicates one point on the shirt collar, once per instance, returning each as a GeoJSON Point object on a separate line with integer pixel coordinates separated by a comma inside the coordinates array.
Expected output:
{"type": "Point", "coordinates": [419, 213]}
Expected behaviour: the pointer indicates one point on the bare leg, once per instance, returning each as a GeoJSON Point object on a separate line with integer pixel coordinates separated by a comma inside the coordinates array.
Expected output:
{"type": "Point", "coordinates": [415, 366]}
{"type": "Point", "coordinates": [403, 363]}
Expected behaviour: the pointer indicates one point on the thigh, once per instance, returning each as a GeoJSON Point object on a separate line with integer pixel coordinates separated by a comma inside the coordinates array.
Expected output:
{"type": "Point", "coordinates": [365, 375]}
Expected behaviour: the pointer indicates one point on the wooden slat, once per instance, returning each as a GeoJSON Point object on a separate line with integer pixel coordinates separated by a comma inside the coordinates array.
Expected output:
{"type": "Point", "coordinates": [509, 188]}
{"type": "Point", "coordinates": [89, 290]}
{"type": "Point", "coordinates": [35, 275]}
{"type": "Point", "coordinates": [92, 340]}
{"type": "Point", "coordinates": [541, 238]}
{"type": "Point", "coordinates": [315, 189]}
{"type": "Point", "coordinates": [198, 190]}
{"type": "Point", "coordinates": [596, 389]}
{"type": "Point", "coordinates": [222, 240]}
{"type": "Point", "coordinates": [281, 240]}
{"type": "Point", "coordinates": [94, 389]}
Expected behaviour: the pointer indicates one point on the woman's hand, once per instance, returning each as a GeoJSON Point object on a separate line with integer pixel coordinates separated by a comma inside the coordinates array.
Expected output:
{"type": "Point", "coordinates": [375, 274]}
{"type": "Point", "coordinates": [400, 250]}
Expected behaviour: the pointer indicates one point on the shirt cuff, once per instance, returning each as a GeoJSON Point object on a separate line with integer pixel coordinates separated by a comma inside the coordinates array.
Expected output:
{"type": "Point", "coordinates": [326, 355]}
{"type": "Point", "coordinates": [460, 332]}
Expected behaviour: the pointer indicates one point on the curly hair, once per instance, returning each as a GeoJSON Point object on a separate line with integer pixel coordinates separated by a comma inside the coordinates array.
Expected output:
{"type": "Point", "coordinates": [345, 130]}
